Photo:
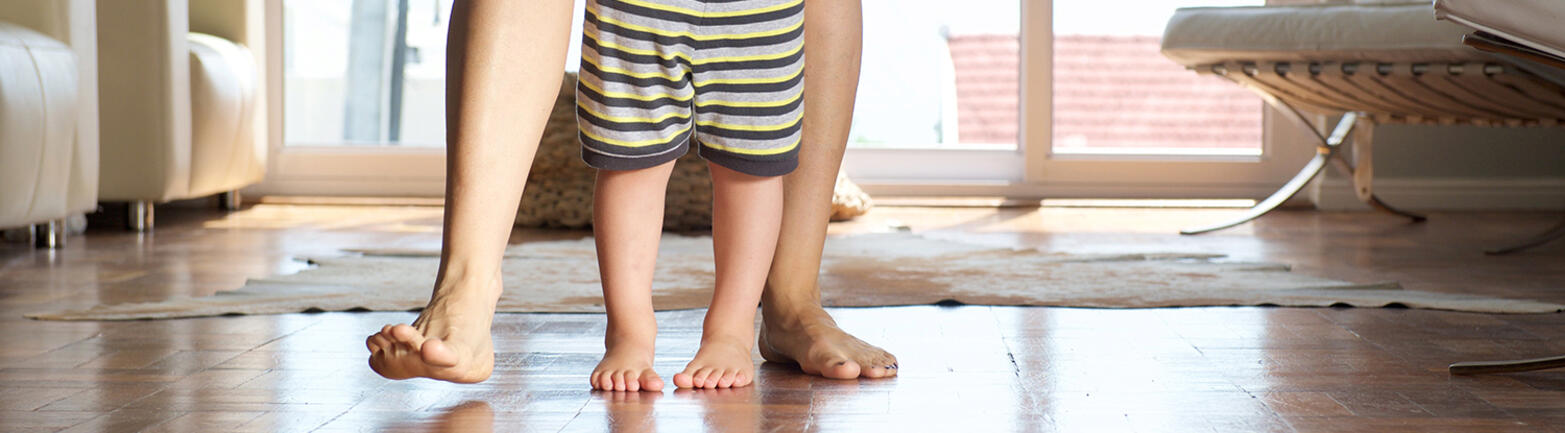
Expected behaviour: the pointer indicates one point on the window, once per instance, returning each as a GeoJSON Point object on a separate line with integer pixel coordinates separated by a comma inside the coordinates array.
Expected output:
{"type": "Point", "coordinates": [1030, 98]}
{"type": "Point", "coordinates": [365, 72]}
{"type": "Point", "coordinates": [939, 75]}
{"type": "Point", "coordinates": [1115, 93]}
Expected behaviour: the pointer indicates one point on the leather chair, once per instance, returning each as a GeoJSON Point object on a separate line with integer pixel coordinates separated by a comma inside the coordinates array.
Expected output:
{"type": "Point", "coordinates": [48, 125]}
{"type": "Point", "coordinates": [177, 110]}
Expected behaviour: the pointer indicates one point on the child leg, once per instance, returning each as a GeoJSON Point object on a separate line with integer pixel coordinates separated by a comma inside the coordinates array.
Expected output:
{"type": "Point", "coordinates": [746, 213]}
{"type": "Point", "coordinates": [627, 224]}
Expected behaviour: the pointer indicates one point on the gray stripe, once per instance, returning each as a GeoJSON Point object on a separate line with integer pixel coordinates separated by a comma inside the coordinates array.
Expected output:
{"type": "Point", "coordinates": [672, 26]}
{"type": "Point", "coordinates": [610, 86]}
{"type": "Point", "coordinates": [780, 74]}
{"type": "Point", "coordinates": [794, 130]}
{"type": "Point", "coordinates": [739, 143]}
{"type": "Point", "coordinates": [751, 120]}
{"type": "Point", "coordinates": [672, 148]}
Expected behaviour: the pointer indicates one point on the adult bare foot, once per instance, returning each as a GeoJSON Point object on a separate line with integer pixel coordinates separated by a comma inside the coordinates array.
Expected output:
{"type": "Point", "coordinates": [721, 362]}
{"type": "Point", "coordinates": [627, 366]}
{"type": "Point", "coordinates": [450, 341]}
{"type": "Point", "coordinates": [810, 338]}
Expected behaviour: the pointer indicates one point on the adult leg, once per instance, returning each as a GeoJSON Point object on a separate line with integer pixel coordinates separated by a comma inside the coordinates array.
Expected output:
{"type": "Point", "coordinates": [627, 215]}
{"type": "Point", "coordinates": [503, 69]}
{"type": "Point", "coordinates": [794, 327]}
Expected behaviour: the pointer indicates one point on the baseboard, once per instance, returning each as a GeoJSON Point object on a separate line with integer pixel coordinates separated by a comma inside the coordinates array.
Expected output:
{"type": "Point", "coordinates": [346, 186]}
{"type": "Point", "coordinates": [1095, 190]}
{"type": "Point", "coordinates": [1449, 194]}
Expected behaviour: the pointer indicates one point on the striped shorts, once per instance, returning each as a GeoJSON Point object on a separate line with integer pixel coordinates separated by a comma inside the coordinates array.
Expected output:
{"type": "Point", "coordinates": [726, 74]}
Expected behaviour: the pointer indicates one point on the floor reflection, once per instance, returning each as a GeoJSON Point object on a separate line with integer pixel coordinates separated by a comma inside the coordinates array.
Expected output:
{"type": "Point", "coordinates": [725, 410]}
{"type": "Point", "coordinates": [470, 417]}
{"type": "Point", "coordinates": [629, 412]}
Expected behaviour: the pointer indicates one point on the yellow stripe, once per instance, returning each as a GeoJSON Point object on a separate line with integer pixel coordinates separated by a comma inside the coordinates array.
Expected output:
{"type": "Point", "coordinates": [766, 80]}
{"type": "Point", "coordinates": [758, 57]}
{"type": "Point", "coordinates": [593, 34]}
{"type": "Point", "coordinates": [706, 14]}
{"type": "Point", "coordinates": [594, 11]}
{"type": "Point", "coordinates": [619, 119]}
{"type": "Point", "coordinates": [642, 143]}
{"type": "Point", "coordinates": [621, 71]}
{"type": "Point", "coordinates": [626, 72]}
{"type": "Point", "coordinates": [746, 104]}
{"type": "Point", "coordinates": [762, 128]}
{"type": "Point", "coordinates": [729, 59]}
{"type": "Point", "coordinates": [753, 151]}
{"type": "Point", "coordinates": [622, 95]}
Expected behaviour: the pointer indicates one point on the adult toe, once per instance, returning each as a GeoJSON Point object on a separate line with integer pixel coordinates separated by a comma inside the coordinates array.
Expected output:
{"type": "Point", "coordinates": [435, 352]}
{"type": "Point", "coordinates": [377, 343]}
{"type": "Point", "coordinates": [840, 368]}
{"type": "Point", "coordinates": [408, 335]}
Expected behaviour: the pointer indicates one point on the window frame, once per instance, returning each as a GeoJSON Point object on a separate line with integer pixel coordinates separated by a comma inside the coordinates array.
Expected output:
{"type": "Point", "coordinates": [1031, 171]}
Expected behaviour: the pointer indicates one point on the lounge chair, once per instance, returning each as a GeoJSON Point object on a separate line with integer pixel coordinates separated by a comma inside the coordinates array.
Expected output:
{"type": "Point", "coordinates": [1373, 63]}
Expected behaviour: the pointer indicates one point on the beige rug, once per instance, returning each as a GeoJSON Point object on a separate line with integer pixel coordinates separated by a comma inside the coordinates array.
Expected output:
{"type": "Point", "coordinates": [865, 270]}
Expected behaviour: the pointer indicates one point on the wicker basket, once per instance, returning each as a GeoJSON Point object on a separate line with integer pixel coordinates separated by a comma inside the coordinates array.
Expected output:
{"type": "Point", "coordinates": [559, 189]}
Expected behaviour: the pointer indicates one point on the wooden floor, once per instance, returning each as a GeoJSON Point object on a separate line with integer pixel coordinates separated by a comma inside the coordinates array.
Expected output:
{"type": "Point", "coordinates": [966, 369]}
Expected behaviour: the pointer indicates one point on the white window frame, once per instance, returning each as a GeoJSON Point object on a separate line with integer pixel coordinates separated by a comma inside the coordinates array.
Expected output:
{"type": "Point", "coordinates": [336, 169]}
{"type": "Point", "coordinates": [1030, 171]}
{"type": "Point", "coordinates": [1033, 171]}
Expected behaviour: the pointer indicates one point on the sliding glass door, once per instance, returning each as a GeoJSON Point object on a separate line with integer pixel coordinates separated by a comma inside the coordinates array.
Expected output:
{"type": "Point", "coordinates": [1062, 98]}
{"type": "Point", "coordinates": [1032, 98]}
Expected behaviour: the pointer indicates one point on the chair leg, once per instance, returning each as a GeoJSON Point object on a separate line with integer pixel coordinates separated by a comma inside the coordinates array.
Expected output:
{"type": "Point", "coordinates": [1550, 235]}
{"type": "Point", "coordinates": [140, 216]}
{"type": "Point", "coordinates": [1516, 366]}
{"type": "Point", "coordinates": [229, 200]}
{"type": "Point", "coordinates": [1361, 129]}
{"type": "Point", "coordinates": [1374, 201]}
{"type": "Point", "coordinates": [50, 235]}
{"type": "Point", "coordinates": [1288, 190]}
{"type": "Point", "coordinates": [1325, 152]}
{"type": "Point", "coordinates": [1362, 169]}
{"type": "Point", "coordinates": [1363, 160]}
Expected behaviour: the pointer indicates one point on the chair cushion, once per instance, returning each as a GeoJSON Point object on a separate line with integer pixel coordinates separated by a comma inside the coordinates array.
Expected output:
{"type": "Point", "coordinates": [1385, 33]}
{"type": "Point", "coordinates": [223, 150]}
{"type": "Point", "coordinates": [1536, 23]}
{"type": "Point", "coordinates": [37, 125]}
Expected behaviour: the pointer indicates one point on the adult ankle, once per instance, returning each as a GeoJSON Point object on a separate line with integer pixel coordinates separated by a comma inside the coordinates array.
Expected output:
{"type": "Point", "coordinates": [791, 312]}
{"type": "Point", "coordinates": [456, 279]}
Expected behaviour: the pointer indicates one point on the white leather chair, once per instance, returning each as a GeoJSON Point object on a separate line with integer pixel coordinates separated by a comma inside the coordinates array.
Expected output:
{"type": "Point", "coordinates": [48, 124]}
{"type": "Point", "coordinates": [177, 109]}
{"type": "Point", "coordinates": [1375, 62]}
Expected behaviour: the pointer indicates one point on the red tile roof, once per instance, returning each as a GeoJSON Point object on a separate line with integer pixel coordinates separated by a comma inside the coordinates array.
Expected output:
{"type": "Point", "coordinates": [987, 87]}
{"type": "Point", "coordinates": [1109, 91]}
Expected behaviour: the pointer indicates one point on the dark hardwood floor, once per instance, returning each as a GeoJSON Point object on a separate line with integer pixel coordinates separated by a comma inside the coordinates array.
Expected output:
{"type": "Point", "coordinates": [969, 368]}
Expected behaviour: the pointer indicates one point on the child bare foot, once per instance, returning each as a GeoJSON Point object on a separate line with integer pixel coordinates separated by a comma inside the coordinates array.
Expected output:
{"type": "Point", "coordinates": [720, 363]}
{"type": "Point", "coordinates": [627, 366]}
{"type": "Point", "coordinates": [450, 341]}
